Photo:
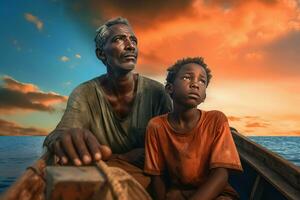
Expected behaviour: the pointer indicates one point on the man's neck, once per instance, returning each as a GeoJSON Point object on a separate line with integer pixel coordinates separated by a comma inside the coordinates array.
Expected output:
{"type": "Point", "coordinates": [121, 84]}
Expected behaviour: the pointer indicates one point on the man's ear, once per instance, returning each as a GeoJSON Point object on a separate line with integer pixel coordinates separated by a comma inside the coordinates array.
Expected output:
{"type": "Point", "coordinates": [100, 54]}
{"type": "Point", "coordinates": [169, 88]}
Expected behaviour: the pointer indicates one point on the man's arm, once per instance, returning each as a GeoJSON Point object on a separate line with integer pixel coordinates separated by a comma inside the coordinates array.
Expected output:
{"type": "Point", "coordinates": [213, 186]}
{"type": "Point", "coordinates": [71, 141]}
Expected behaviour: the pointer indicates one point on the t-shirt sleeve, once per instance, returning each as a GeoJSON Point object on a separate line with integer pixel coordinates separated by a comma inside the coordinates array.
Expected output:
{"type": "Point", "coordinates": [165, 104]}
{"type": "Point", "coordinates": [75, 116]}
{"type": "Point", "coordinates": [224, 152]}
{"type": "Point", "coordinates": [154, 162]}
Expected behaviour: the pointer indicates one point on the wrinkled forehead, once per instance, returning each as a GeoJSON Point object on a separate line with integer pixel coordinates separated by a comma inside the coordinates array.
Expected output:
{"type": "Point", "coordinates": [119, 29]}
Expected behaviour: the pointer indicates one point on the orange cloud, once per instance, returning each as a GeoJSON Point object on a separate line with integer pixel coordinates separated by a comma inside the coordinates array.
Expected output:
{"type": "Point", "coordinates": [35, 20]}
{"type": "Point", "coordinates": [8, 128]}
{"type": "Point", "coordinates": [15, 85]}
{"type": "Point", "coordinates": [233, 39]}
{"type": "Point", "coordinates": [25, 96]}
{"type": "Point", "coordinates": [233, 118]}
{"type": "Point", "coordinates": [257, 125]}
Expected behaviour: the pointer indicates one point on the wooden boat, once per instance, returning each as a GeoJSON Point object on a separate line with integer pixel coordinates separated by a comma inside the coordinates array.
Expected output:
{"type": "Point", "coordinates": [266, 176]}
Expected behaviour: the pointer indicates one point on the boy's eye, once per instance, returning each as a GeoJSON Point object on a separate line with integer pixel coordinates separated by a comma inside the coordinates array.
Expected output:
{"type": "Point", "coordinates": [203, 81]}
{"type": "Point", "coordinates": [186, 78]}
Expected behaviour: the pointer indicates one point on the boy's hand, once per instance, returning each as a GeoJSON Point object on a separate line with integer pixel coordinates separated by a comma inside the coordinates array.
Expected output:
{"type": "Point", "coordinates": [79, 146]}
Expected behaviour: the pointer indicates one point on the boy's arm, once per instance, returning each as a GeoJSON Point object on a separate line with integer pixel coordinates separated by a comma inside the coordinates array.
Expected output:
{"type": "Point", "coordinates": [213, 186]}
{"type": "Point", "coordinates": [159, 187]}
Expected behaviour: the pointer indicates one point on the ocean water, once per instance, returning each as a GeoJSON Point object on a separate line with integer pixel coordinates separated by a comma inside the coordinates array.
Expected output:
{"type": "Point", "coordinates": [19, 152]}
{"type": "Point", "coordinates": [286, 147]}
{"type": "Point", "coordinates": [16, 154]}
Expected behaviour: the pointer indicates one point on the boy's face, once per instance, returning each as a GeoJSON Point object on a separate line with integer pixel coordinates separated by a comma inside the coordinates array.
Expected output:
{"type": "Point", "coordinates": [189, 86]}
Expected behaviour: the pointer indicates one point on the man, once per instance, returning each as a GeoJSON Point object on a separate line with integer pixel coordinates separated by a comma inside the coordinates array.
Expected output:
{"type": "Point", "coordinates": [111, 110]}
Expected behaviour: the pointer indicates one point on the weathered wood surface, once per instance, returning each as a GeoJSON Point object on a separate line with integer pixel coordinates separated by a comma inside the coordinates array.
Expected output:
{"type": "Point", "coordinates": [65, 183]}
{"type": "Point", "coordinates": [280, 173]}
{"type": "Point", "coordinates": [75, 183]}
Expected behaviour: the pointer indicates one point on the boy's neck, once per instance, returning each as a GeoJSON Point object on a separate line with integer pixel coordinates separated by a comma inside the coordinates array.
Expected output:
{"type": "Point", "coordinates": [184, 119]}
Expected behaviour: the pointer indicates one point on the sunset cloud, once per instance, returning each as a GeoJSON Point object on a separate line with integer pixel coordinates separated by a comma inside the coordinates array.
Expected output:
{"type": "Point", "coordinates": [64, 59]}
{"type": "Point", "coordinates": [237, 38]}
{"type": "Point", "coordinates": [257, 125]}
{"type": "Point", "coordinates": [233, 118]}
{"type": "Point", "coordinates": [8, 128]}
{"type": "Point", "coordinates": [35, 20]}
{"type": "Point", "coordinates": [25, 96]}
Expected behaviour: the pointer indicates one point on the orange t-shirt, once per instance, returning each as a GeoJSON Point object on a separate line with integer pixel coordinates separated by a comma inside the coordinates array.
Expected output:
{"type": "Point", "coordinates": [188, 157]}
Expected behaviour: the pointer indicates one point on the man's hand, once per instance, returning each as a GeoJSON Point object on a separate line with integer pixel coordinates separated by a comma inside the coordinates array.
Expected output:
{"type": "Point", "coordinates": [79, 146]}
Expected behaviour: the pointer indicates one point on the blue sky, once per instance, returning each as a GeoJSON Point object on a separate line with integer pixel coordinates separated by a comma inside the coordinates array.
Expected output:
{"type": "Point", "coordinates": [42, 45]}
{"type": "Point", "coordinates": [29, 54]}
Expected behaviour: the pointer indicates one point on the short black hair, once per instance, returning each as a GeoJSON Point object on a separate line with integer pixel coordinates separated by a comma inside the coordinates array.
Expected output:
{"type": "Point", "coordinates": [102, 31]}
{"type": "Point", "coordinates": [174, 69]}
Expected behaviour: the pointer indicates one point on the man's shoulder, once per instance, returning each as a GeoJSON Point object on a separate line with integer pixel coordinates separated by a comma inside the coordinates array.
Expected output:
{"type": "Point", "coordinates": [152, 84]}
{"type": "Point", "coordinates": [86, 86]}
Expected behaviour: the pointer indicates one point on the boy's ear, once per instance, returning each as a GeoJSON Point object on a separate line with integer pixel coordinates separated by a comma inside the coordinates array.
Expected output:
{"type": "Point", "coordinates": [169, 88]}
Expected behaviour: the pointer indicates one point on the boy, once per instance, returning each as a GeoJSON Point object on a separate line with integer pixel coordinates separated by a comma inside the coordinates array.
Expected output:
{"type": "Point", "coordinates": [191, 148]}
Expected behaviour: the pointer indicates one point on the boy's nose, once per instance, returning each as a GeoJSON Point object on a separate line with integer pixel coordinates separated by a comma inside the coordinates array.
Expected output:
{"type": "Point", "coordinates": [195, 85]}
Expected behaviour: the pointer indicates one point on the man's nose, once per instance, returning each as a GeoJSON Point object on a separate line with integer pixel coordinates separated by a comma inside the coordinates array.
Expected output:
{"type": "Point", "coordinates": [129, 44]}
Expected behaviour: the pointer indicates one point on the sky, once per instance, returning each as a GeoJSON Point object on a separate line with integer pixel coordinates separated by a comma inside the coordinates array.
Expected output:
{"type": "Point", "coordinates": [252, 48]}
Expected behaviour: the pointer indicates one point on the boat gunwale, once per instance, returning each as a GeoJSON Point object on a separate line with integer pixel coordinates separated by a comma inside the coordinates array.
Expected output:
{"type": "Point", "coordinates": [277, 171]}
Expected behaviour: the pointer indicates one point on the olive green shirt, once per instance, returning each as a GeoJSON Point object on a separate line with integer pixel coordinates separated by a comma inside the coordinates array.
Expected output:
{"type": "Point", "coordinates": [88, 108]}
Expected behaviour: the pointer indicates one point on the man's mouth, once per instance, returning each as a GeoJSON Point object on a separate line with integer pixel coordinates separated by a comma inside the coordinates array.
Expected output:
{"type": "Point", "coordinates": [130, 56]}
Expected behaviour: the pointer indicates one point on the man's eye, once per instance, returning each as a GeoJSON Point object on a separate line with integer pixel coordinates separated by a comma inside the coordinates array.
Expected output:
{"type": "Point", "coordinates": [117, 39]}
{"type": "Point", "coordinates": [134, 41]}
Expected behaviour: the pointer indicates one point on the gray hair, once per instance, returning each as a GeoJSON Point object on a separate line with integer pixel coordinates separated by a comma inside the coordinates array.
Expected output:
{"type": "Point", "coordinates": [102, 31]}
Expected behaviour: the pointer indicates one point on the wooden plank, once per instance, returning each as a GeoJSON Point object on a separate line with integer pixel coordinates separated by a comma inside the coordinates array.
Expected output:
{"type": "Point", "coordinates": [68, 183]}
{"type": "Point", "coordinates": [257, 190]}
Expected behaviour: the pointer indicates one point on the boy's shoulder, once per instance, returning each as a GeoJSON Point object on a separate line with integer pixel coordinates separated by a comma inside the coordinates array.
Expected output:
{"type": "Point", "coordinates": [215, 115]}
{"type": "Point", "coordinates": [157, 121]}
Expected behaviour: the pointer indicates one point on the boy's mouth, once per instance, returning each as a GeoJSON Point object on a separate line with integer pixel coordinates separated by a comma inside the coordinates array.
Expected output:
{"type": "Point", "coordinates": [193, 95]}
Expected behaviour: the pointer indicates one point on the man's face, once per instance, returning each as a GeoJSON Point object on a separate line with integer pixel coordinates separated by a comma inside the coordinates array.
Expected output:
{"type": "Point", "coordinates": [120, 50]}
{"type": "Point", "coordinates": [189, 86]}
